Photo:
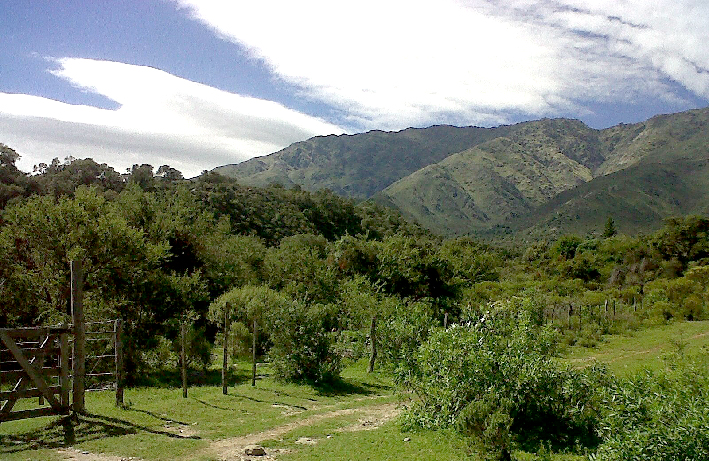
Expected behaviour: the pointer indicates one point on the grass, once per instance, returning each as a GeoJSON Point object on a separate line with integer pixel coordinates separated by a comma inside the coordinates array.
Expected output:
{"type": "Point", "coordinates": [628, 353]}
{"type": "Point", "coordinates": [158, 424]}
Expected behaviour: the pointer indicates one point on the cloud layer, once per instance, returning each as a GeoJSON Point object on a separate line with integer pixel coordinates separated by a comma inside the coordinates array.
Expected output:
{"type": "Point", "coordinates": [160, 119]}
{"type": "Point", "coordinates": [391, 64]}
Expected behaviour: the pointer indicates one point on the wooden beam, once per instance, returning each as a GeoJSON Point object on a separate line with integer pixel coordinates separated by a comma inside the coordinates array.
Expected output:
{"type": "Point", "coordinates": [22, 383]}
{"type": "Point", "coordinates": [14, 375]}
{"type": "Point", "coordinates": [34, 332]}
{"type": "Point", "coordinates": [118, 339]}
{"type": "Point", "coordinates": [27, 393]}
{"type": "Point", "coordinates": [64, 381]}
{"type": "Point", "coordinates": [225, 343]}
{"type": "Point", "coordinates": [29, 368]}
{"type": "Point", "coordinates": [15, 415]}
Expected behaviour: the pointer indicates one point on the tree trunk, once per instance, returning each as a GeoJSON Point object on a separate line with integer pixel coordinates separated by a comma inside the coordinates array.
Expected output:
{"type": "Point", "coordinates": [373, 339]}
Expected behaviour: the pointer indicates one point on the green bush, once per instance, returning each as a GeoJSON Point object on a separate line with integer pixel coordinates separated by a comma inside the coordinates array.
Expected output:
{"type": "Point", "coordinates": [302, 347]}
{"type": "Point", "coordinates": [660, 416]}
{"type": "Point", "coordinates": [497, 381]}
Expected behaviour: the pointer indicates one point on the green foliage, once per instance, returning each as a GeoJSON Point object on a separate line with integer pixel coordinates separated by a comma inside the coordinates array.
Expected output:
{"type": "Point", "coordinates": [299, 267]}
{"type": "Point", "coordinates": [302, 347]}
{"type": "Point", "coordinates": [405, 330]}
{"type": "Point", "coordinates": [566, 246]}
{"type": "Point", "coordinates": [609, 230]}
{"type": "Point", "coordinates": [497, 380]}
{"type": "Point", "coordinates": [658, 416]}
{"type": "Point", "coordinates": [683, 240]}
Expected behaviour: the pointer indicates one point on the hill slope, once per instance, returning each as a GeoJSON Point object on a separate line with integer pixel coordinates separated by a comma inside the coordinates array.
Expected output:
{"type": "Point", "coordinates": [460, 180]}
{"type": "Point", "coordinates": [655, 168]}
{"type": "Point", "coordinates": [357, 165]}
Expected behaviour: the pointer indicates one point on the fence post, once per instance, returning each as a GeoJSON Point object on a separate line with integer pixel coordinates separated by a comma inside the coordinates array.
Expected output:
{"type": "Point", "coordinates": [64, 370]}
{"type": "Point", "coordinates": [77, 310]}
{"type": "Point", "coordinates": [118, 338]}
{"type": "Point", "coordinates": [373, 340]}
{"type": "Point", "coordinates": [40, 360]}
{"type": "Point", "coordinates": [225, 363]}
{"type": "Point", "coordinates": [183, 357]}
{"type": "Point", "coordinates": [253, 355]}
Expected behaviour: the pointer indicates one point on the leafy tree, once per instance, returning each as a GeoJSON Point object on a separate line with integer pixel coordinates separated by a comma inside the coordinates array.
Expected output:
{"type": "Point", "coordinates": [299, 267]}
{"type": "Point", "coordinates": [412, 268]}
{"type": "Point", "coordinates": [13, 182]}
{"type": "Point", "coordinates": [303, 348]}
{"type": "Point", "coordinates": [566, 246]}
{"type": "Point", "coordinates": [63, 178]}
{"type": "Point", "coordinates": [169, 173]}
{"type": "Point", "coordinates": [123, 276]}
{"type": "Point", "coordinates": [683, 240]}
{"type": "Point", "coordinates": [609, 230]}
{"type": "Point", "coordinates": [142, 175]}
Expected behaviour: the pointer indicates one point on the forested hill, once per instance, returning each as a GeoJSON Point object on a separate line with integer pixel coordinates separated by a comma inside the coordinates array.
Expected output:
{"type": "Point", "coordinates": [457, 181]}
{"type": "Point", "coordinates": [357, 165]}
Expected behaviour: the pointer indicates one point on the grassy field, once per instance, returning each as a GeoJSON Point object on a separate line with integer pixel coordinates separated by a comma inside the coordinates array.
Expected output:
{"type": "Point", "coordinates": [354, 420]}
{"type": "Point", "coordinates": [628, 353]}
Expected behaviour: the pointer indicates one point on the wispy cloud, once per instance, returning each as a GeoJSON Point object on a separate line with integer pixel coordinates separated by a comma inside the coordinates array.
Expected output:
{"type": "Point", "coordinates": [160, 119]}
{"type": "Point", "coordinates": [395, 63]}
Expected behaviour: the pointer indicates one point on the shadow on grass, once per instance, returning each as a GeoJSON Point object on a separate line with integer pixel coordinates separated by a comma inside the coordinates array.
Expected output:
{"type": "Point", "coordinates": [73, 429]}
{"type": "Point", "coordinates": [342, 386]}
{"type": "Point", "coordinates": [195, 377]}
{"type": "Point", "coordinates": [156, 416]}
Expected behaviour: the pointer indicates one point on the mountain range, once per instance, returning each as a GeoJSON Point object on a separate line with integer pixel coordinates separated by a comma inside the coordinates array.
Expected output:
{"type": "Point", "coordinates": [539, 178]}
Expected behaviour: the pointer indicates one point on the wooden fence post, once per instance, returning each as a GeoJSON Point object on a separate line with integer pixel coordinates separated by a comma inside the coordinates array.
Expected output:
{"type": "Point", "coordinates": [77, 310]}
{"type": "Point", "coordinates": [40, 357]}
{"type": "Point", "coordinates": [373, 340]}
{"type": "Point", "coordinates": [118, 338]}
{"type": "Point", "coordinates": [225, 361]}
{"type": "Point", "coordinates": [183, 357]}
{"type": "Point", "coordinates": [253, 355]}
{"type": "Point", "coordinates": [64, 369]}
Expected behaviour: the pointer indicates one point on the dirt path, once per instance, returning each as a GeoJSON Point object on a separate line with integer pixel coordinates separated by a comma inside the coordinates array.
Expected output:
{"type": "Point", "coordinates": [72, 454]}
{"type": "Point", "coordinates": [234, 448]}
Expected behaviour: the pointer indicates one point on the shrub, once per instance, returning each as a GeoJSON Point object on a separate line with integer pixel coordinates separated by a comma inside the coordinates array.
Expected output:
{"type": "Point", "coordinates": [660, 416]}
{"type": "Point", "coordinates": [497, 381]}
{"type": "Point", "coordinates": [302, 348]}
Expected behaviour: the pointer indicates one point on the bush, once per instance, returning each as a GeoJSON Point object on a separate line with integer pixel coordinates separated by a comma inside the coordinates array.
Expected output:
{"type": "Point", "coordinates": [497, 381]}
{"type": "Point", "coordinates": [658, 416]}
{"type": "Point", "coordinates": [302, 348]}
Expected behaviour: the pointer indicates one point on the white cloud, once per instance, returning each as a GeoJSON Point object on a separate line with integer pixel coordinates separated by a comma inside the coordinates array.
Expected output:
{"type": "Point", "coordinates": [161, 119]}
{"type": "Point", "coordinates": [394, 63]}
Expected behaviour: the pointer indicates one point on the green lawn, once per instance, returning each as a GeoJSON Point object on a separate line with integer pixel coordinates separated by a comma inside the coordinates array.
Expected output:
{"type": "Point", "coordinates": [625, 354]}
{"type": "Point", "coordinates": [158, 424]}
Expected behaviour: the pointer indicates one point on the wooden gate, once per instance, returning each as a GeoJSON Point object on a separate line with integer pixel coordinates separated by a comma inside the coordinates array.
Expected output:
{"type": "Point", "coordinates": [35, 363]}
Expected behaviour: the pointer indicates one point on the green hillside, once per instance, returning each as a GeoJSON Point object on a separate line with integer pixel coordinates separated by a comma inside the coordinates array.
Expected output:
{"type": "Point", "coordinates": [497, 180]}
{"type": "Point", "coordinates": [357, 165]}
{"type": "Point", "coordinates": [552, 177]}
{"type": "Point", "coordinates": [637, 198]}
{"type": "Point", "coordinates": [549, 176]}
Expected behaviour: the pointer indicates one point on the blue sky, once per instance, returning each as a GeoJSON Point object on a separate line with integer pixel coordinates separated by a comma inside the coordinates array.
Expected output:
{"type": "Point", "coordinates": [199, 83]}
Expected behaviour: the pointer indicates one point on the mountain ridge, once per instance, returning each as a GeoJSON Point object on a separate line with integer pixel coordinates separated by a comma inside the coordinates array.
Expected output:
{"type": "Point", "coordinates": [461, 180]}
